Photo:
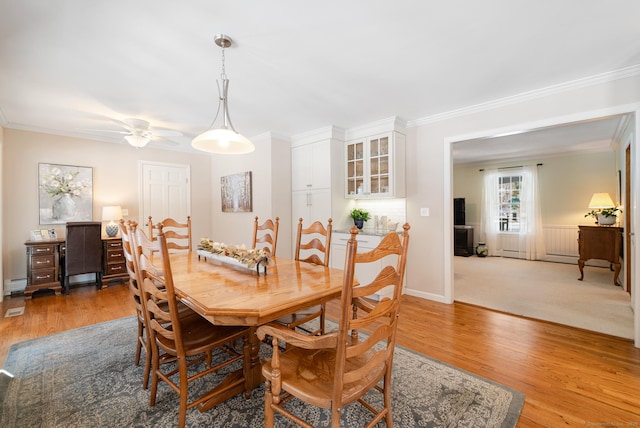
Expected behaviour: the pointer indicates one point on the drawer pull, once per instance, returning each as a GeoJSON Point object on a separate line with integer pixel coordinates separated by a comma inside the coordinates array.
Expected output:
{"type": "Point", "coordinates": [43, 277]}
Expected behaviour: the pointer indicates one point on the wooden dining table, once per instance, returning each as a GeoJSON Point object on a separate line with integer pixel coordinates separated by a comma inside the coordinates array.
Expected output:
{"type": "Point", "coordinates": [233, 296]}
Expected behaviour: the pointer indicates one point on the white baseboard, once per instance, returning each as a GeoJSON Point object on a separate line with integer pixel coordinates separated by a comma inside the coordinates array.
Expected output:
{"type": "Point", "coordinates": [12, 286]}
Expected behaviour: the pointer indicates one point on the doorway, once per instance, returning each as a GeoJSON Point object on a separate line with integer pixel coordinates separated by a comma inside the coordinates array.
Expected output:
{"type": "Point", "coordinates": [165, 191]}
{"type": "Point", "coordinates": [453, 149]}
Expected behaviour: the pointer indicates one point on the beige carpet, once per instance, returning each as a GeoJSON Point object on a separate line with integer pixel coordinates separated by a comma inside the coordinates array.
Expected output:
{"type": "Point", "coordinates": [547, 291]}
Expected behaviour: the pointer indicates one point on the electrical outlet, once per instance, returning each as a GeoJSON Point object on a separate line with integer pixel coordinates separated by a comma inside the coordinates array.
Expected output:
{"type": "Point", "coordinates": [125, 212]}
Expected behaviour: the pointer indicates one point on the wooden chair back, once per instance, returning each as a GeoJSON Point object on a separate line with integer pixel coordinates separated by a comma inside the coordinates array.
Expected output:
{"type": "Point", "coordinates": [340, 367]}
{"type": "Point", "coordinates": [266, 234]}
{"type": "Point", "coordinates": [177, 234]}
{"type": "Point", "coordinates": [83, 251]}
{"type": "Point", "coordinates": [180, 339]}
{"type": "Point", "coordinates": [314, 242]}
{"type": "Point", "coordinates": [126, 230]}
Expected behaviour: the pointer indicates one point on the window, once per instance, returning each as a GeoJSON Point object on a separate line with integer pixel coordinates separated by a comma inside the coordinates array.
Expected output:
{"type": "Point", "coordinates": [509, 187]}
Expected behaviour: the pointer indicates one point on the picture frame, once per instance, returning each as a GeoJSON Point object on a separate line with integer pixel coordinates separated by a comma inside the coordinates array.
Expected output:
{"type": "Point", "coordinates": [236, 192]}
{"type": "Point", "coordinates": [65, 193]}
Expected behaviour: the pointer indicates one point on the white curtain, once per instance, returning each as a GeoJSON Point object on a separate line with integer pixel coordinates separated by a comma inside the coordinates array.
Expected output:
{"type": "Point", "coordinates": [489, 215]}
{"type": "Point", "coordinates": [531, 235]}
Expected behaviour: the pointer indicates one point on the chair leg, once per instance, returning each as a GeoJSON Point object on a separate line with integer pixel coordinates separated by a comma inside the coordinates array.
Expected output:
{"type": "Point", "coordinates": [139, 343]}
{"type": "Point", "coordinates": [335, 417]}
{"type": "Point", "coordinates": [184, 393]}
{"type": "Point", "coordinates": [268, 401]}
{"type": "Point", "coordinates": [154, 377]}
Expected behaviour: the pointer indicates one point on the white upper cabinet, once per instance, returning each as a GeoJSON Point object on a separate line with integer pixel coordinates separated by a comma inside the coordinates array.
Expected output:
{"type": "Point", "coordinates": [311, 166]}
{"type": "Point", "coordinates": [375, 166]}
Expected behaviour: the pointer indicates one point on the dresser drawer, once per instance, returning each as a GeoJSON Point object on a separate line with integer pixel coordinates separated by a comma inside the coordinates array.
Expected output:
{"type": "Point", "coordinates": [114, 245]}
{"type": "Point", "coordinates": [43, 262]}
{"type": "Point", "coordinates": [116, 269]}
{"type": "Point", "coordinates": [43, 276]}
{"type": "Point", "coordinates": [115, 256]}
{"type": "Point", "coordinates": [41, 250]}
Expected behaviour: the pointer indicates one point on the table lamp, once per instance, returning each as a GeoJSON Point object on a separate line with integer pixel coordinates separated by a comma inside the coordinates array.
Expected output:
{"type": "Point", "coordinates": [601, 200]}
{"type": "Point", "coordinates": [110, 214]}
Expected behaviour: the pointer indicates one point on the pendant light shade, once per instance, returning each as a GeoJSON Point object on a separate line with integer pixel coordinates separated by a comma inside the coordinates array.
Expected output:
{"type": "Point", "coordinates": [223, 139]}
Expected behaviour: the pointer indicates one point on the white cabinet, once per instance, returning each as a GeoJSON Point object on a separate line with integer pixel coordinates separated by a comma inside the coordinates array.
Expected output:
{"type": "Point", "coordinates": [313, 177]}
{"type": "Point", "coordinates": [311, 205]}
{"type": "Point", "coordinates": [375, 166]}
{"type": "Point", "coordinates": [311, 166]}
{"type": "Point", "coordinates": [365, 272]}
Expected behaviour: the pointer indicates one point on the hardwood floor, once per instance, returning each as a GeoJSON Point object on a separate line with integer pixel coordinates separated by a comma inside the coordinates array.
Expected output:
{"type": "Point", "coordinates": [570, 377]}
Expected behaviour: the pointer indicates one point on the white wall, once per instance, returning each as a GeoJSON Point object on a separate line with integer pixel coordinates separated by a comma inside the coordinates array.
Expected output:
{"type": "Point", "coordinates": [115, 182]}
{"type": "Point", "coordinates": [270, 165]}
{"type": "Point", "coordinates": [566, 185]}
{"type": "Point", "coordinates": [429, 169]}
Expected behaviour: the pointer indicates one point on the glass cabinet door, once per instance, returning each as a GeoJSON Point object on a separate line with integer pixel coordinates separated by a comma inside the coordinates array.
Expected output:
{"type": "Point", "coordinates": [355, 168]}
{"type": "Point", "coordinates": [379, 165]}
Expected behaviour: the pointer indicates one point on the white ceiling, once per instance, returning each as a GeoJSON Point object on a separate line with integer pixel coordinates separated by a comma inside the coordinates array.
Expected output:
{"type": "Point", "coordinates": [69, 67]}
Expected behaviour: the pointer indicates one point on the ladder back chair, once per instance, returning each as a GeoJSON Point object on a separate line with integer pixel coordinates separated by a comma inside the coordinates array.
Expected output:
{"type": "Point", "coordinates": [177, 234]}
{"type": "Point", "coordinates": [266, 234]}
{"type": "Point", "coordinates": [142, 340]}
{"type": "Point", "coordinates": [340, 367]}
{"type": "Point", "coordinates": [127, 229]}
{"type": "Point", "coordinates": [189, 341]}
{"type": "Point", "coordinates": [313, 245]}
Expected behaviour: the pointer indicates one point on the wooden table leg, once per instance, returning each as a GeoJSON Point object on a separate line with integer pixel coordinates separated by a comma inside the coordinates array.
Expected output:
{"type": "Point", "coordinates": [616, 273]}
{"type": "Point", "coordinates": [243, 380]}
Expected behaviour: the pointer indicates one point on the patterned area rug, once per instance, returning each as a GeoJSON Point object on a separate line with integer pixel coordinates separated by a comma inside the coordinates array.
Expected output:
{"type": "Point", "coordinates": [86, 378]}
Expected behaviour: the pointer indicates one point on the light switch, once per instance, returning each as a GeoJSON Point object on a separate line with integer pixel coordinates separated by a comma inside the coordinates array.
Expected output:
{"type": "Point", "coordinates": [125, 212]}
{"type": "Point", "coordinates": [424, 212]}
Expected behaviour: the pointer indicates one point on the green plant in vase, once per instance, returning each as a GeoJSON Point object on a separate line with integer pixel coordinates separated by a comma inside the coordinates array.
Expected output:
{"type": "Point", "coordinates": [359, 216]}
{"type": "Point", "coordinates": [604, 215]}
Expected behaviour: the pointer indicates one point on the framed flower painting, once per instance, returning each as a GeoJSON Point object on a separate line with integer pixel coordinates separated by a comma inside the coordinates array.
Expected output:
{"type": "Point", "coordinates": [65, 193]}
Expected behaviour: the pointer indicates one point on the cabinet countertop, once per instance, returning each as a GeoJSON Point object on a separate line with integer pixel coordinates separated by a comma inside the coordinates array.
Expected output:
{"type": "Point", "coordinates": [365, 231]}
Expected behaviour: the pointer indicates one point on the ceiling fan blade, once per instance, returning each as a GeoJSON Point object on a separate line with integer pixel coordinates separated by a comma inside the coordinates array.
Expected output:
{"type": "Point", "coordinates": [107, 130]}
{"type": "Point", "coordinates": [166, 133]}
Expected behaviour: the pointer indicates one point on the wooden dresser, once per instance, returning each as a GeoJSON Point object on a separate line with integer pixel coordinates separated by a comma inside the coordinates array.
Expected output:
{"type": "Point", "coordinates": [602, 243]}
{"type": "Point", "coordinates": [45, 269]}
{"type": "Point", "coordinates": [113, 263]}
{"type": "Point", "coordinates": [43, 266]}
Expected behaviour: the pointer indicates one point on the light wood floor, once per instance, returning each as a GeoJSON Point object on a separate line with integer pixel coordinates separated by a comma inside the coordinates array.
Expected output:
{"type": "Point", "coordinates": [570, 377]}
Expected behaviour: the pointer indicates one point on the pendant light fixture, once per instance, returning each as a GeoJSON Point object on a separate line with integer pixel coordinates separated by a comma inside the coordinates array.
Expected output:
{"type": "Point", "coordinates": [223, 139]}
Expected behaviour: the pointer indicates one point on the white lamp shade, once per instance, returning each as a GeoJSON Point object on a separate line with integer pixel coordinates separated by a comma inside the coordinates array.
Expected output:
{"type": "Point", "coordinates": [223, 141]}
{"type": "Point", "coordinates": [111, 213]}
{"type": "Point", "coordinates": [601, 200]}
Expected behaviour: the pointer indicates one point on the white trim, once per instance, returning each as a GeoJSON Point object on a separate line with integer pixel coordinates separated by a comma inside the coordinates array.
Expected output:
{"type": "Point", "coordinates": [597, 79]}
{"type": "Point", "coordinates": [427, 296]}
{"type": "Point", "coordinates": [575, 117]}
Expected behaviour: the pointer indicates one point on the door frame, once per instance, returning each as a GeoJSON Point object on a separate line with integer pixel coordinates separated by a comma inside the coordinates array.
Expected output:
{"type": "Point", "coordinates": [554, 121]}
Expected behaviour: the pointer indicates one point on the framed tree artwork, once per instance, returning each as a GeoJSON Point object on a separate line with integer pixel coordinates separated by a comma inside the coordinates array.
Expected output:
{"type": "Point", "coordinates": [236, 192]}
{"type": "Point", "coordinates": [65, 193]}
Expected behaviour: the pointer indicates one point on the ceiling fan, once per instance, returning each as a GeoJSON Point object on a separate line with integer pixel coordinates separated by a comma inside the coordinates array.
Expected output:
{"type": "Point", "coordinates": [138, 132]}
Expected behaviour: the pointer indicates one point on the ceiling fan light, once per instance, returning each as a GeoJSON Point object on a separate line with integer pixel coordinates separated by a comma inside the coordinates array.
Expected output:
{"type": "Point", "coordinates": [223, 141]}
{"type": "Point", "coordinates": [137, 140]}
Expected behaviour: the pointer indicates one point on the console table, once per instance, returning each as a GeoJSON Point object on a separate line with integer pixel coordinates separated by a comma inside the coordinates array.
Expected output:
{"type": "Point", "coordinates": [45, 264]}
{"type": "Point", "coordinates": [602, 243]}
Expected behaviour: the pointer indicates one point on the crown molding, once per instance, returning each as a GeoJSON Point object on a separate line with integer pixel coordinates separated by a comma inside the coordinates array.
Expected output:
{"type": "Point", "coordinates": [325, 133]}
{"type": "Point", "coordinates": [597, 79]}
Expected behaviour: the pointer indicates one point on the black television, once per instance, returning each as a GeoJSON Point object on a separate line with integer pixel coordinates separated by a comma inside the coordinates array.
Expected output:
{"type": "Point", "coordinates": [458, 212]}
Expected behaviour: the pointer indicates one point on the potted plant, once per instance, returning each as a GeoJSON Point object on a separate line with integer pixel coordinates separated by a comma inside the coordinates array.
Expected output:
{"type": "Point", "coordinates": [604, 216]}
{"type": "Point", "coordinates": [359, 216]}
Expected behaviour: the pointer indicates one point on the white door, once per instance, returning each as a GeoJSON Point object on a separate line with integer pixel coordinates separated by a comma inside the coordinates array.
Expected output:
{"type": "Point", "coordinates": [165, 191]}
